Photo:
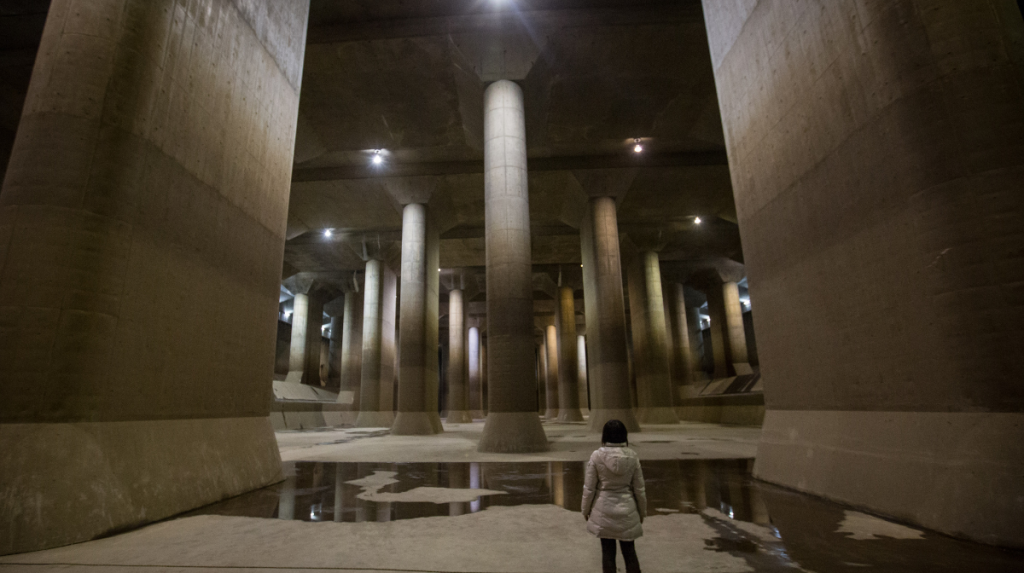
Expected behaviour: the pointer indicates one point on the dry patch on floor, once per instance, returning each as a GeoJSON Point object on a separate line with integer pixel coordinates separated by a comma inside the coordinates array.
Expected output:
{"type": "Point", "coordinates": [569, 442]}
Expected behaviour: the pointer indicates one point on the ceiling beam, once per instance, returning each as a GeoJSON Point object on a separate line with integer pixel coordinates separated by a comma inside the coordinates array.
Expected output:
{"type": "Point", "coordinates": [617, 161]}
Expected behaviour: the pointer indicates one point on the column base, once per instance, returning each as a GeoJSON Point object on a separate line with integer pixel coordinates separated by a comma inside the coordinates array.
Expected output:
{"type": "Point", "coordinates": [570, 415]}
{"type": "Point", "coordinates": [414, 424]}
{"type": "Point", "coordinates": [375, 419]}
{"type": "Point", "coordinates": [657, 415]}
{"type": "Point", "coordinates": [599, 417]}
{"type": "Point", "coordinates": [435, 422]}
{"type": "Point", "coordinates": [477, 414]}
{"type": "Point", "coordinates": [63, 483]}
{"type": "Point", "coordinates": [294, 376]}
{"type": "Point", "coordinates": [895, 463]}
{"type": "Point", "coordinates": [551, 414]}
{"type": "Point", "coordinates": [513, 433]}
{"type": "Point", "coordinates": [459, 417]}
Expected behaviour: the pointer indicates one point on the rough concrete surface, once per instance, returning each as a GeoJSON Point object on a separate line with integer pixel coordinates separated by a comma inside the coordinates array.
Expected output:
{"type": "Point", "coordinates": [142, 223]}
{"type": "Point", "coordinates": [876, 157]}
{"type": "Point", "coordinates": [499, 540]}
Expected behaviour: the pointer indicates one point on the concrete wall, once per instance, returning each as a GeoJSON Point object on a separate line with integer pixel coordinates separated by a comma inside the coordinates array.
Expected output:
{"type": "Point", "coordinates": [876, 152]}
{"type": "Point", "coordinates": [142, 224]}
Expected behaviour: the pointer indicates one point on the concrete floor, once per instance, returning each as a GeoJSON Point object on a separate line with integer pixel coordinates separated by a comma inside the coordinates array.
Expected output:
{"type": "Point", "coordinates": [738, 524]}
{"type": "Point", "coordinates": [569, 442]}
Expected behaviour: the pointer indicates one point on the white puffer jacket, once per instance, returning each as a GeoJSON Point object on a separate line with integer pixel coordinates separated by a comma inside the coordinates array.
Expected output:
{"type": "Point", "coordinates": [614, 500]}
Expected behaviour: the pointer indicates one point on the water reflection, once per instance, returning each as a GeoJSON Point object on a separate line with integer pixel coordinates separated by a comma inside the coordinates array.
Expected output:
{"type": "Point", "coordinates": [319, 491]}
{"type": "Point", "coordinates": [798, 531]}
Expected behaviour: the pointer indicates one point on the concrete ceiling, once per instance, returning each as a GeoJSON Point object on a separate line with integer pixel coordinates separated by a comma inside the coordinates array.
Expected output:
{"type": "Point", "coordinates": [407, 77]}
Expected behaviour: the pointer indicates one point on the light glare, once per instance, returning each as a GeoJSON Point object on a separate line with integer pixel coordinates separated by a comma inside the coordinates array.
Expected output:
{"type": "Point", "coordinates": [696, 220]}
{"type": "Point", "coordinates": [327, 232]}
{"type": "Point", "coordinates": [377, 159]}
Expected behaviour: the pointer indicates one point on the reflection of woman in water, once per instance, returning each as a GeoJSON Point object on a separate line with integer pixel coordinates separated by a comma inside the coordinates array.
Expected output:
{"type": "Point", "coordinates": [614, 501]}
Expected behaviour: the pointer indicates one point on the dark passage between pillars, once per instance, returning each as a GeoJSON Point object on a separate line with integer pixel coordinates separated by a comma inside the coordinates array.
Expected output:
{"type": "Point", "coordinates": [512, 422]}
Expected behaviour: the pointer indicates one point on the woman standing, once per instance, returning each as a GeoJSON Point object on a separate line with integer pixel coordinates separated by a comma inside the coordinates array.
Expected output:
{"type": "Point", "coordinates": [618, 509]}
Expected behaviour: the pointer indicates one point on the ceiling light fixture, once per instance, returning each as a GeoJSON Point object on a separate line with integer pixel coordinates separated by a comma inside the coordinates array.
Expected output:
{"type": "Point", "coordinates": [637, 148]}
{"type": "Point", "coordinates": [327, 233]}
{"type": "Point", "coordinates": [696, 220]}
{"type": "Point", "coordinates": [377, 159]}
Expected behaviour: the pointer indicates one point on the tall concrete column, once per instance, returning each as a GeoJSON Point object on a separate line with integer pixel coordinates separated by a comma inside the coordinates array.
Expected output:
{"type": "Point", "coordinates": [581, 372]}
{"type": "Point", "coordinates": [682, 354]}
{"type": "Point", "coordinates": [373, 413]}
{"type": "Point", "coordinates": [417, 369]}
{"type": "Point", "coordinates": [458, 397]}
{"type": "Point", "coordinates": [608, 358]}
{"type": "Point", "coordinates": [476, 408]}
{"type": "Point", "coordinates": [335, 342]}
{"type": "Point", "coordinates": [542, 376]}
{"type": "Point", "coordinates": [300, 334]}
{"type": "Point", "coordinates": [307, 333]}
{"type": "Point", "coordinates": [352, 349]}
{"type": "Point", "coordinates": [551, 386]}
{"type": "Point", "coordinates": [142, 221]}
{"type": "Point", "coordinates": [728, 338]}
{"type": "Point", "coordinates": [483, 374]}
{"type": "Point", "coordinates": [889, 314]}
{"type": "Point", "coordinates": [511, 425]}
{"type": "Point", "coordinates": [568, 381]}
{"type": "Point", "coordinates": [656, 404]}
{"type": "Point", "coordinates": [719, 333]}
{"type": "Point", "coordinates": [694, 323]}
{"type": "Point", "coordinates": [734, 325]}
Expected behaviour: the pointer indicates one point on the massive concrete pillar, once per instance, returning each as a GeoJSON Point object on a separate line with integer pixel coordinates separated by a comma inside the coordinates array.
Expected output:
{"type": "Point", "coordinates": [889, 314]}
{"type": "Point", "coordinates": [551, 376]}
{"type": "Point", "coordinates": [417, 323]}
{"type": "Point", "coordinates": [511, 425]}
{"type": "Point", "coordinates": [375, 412]}
{"type": "Point", "coordinates": [581, 373]}
{"type": "Point", "coordinates": [681, 352]}
{"type": "Point", "coordinates": [476, 408]}
{"type": "Point", "coordinates": [142, 243]}
{"type": "Point", "coordinates": [458, 397]}
{"type": "Point", "coordinates": [608, 358]}
{"type": "Point", "coordinates": [655, 400]}
{"type": "Point", "coordinates": [352, 349]}
{"type": "Point", "coordinates": [568, 381]}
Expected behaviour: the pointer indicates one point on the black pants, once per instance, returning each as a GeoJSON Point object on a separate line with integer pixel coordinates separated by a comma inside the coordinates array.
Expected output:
{"type": "Point", "coordinates": [628, 555]}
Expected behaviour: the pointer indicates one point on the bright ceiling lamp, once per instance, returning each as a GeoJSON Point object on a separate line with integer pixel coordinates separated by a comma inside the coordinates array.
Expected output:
{"type": "Point", "coordinates": [327, 233]}
{"type": "Point", "coordinates": [637, 147]}
{"type": "Point", "coordinates": [696, 220]}
{"type": "Point", "coordinates": [377, 159]}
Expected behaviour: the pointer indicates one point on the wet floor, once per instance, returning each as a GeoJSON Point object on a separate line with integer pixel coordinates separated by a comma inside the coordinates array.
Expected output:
{"type": "Point", "coordinates": [771, 528]}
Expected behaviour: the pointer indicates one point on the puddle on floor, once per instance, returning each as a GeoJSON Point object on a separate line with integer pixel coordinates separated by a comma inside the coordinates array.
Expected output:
{"type": "Point", "coordinates": [320, 491]}
{"type": "Point", "coordinates": [772, 529]}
